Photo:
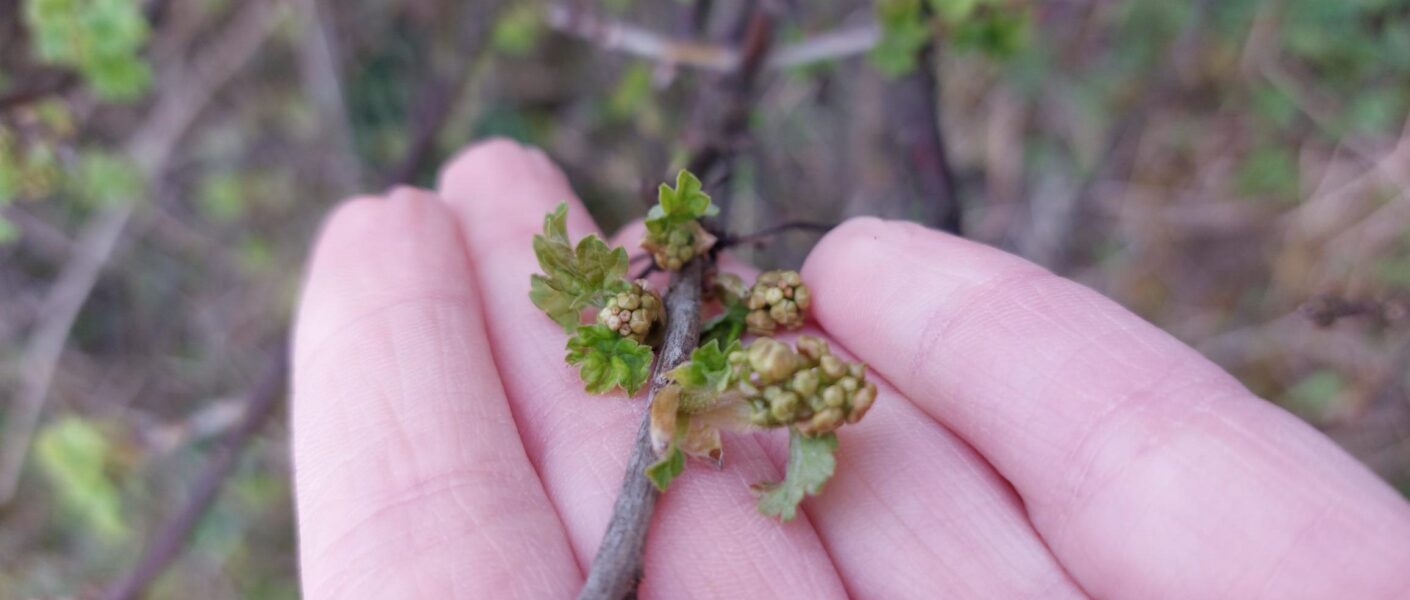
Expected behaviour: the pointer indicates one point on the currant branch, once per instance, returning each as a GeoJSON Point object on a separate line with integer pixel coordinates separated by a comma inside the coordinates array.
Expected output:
{"type": "Point", "coordinates": [724, 386]}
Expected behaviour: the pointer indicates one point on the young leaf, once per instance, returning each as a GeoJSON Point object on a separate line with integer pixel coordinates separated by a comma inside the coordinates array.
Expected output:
{"type": "Point", "coordinates": [687, 202]}
{"type": "Point", "coordinates": [708, 367]}
{"type": "Point", "coordinates": [663, 471]}
{"type": "Point", "coordinates": [727, 327]}
{"type": "Point", "coordinates": [810, 465]}
{"type": "Point", "coordinates": [606, 360]}
{"type": "Point", "coordinates": [574, 278]}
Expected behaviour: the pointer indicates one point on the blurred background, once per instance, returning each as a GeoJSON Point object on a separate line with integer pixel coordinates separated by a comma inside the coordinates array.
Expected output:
{"type": "Point", "coordinates": [1237, 172]}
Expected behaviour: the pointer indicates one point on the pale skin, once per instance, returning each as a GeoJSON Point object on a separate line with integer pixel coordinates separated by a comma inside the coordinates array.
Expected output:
{"type": "Point", "coordinates": [1032, 439]}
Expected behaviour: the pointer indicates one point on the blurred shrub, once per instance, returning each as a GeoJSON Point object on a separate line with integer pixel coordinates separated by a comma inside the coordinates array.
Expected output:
{"type": "Point", "coordinates": [72, 454]}
{"type": "Point", "coordinates": [995, 28]}
{"type": "Point", "coordinates": [100, 39]}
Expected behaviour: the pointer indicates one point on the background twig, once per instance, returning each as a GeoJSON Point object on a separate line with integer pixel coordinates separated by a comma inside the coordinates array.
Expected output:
{"type": "Point", "coordinates": [168, 541]}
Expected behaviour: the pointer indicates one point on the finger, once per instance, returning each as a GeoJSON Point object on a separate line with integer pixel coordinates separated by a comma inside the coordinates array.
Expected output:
{"type": "Point", "coordinates": [912, 511]}
{"type": "Point", "coordinates": [410, 474]}
{"type": "Point", "coordinates": [1148, 470]}
{"type": "Point", "coordinates": [707, 539]}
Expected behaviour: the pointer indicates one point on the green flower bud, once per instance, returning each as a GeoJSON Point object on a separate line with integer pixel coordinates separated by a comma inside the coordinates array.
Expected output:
{"type": "Point", "coordinates": [772, 359]}
{"type": "Point", "coordinates": [784, 406]}
{"type": "Point", "coordinates": [832, 367]}
{"type": "Point", "coordinates": [805, 382]}
{"type": "Point", "coordinates": [778, 300]}
{"type": "Point", "coordinates": [834, 396]}
{"type": "Point", "coordinates": [861, 402]}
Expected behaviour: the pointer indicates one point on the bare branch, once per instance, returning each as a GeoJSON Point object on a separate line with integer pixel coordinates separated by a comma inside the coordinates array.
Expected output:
{"type": "Point", "coordinates": [638, 41]}
{"type": "Point", "coordinates": [913, 116]}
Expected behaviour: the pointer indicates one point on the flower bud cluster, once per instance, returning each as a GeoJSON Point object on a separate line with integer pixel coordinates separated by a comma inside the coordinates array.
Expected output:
{"type": "Point", "coordinates": [778, 300]}
{"type": "Point", "coordinates": [676, 245]}
{"type": "Point", "coordinates": [633, 312]}
{"type": "Point", "coordinates": [810, 388]}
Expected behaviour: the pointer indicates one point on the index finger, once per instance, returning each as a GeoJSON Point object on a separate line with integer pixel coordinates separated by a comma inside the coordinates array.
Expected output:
{"type": "Point", "coordinates": [1147, 469]}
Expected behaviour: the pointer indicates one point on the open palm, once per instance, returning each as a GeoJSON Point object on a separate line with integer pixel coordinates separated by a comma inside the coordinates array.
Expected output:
{"type": "Point", "coordinates": [1035, 439]}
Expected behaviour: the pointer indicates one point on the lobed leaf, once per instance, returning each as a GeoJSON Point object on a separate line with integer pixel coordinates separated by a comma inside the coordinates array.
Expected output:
{"type": "Point", "coordinates": [707, 368]}
{"type": "Point", "coordinates": [687, 202]}
{"type": "Point", "coordinates": [574, 278]}
{"type": "Point", "coordinates": [606, 360]}
{"type": "Point", "coordinates": [810, 465]}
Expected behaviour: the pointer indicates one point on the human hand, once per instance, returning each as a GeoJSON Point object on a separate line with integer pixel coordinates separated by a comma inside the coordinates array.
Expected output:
{"type": "Point", "coordinates": [1039, 441]}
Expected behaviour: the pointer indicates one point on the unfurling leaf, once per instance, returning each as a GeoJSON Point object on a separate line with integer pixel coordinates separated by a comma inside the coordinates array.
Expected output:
{"type": "Point", "coordinates": [606, 360]}
{"type": "Point", "coordinates": [810, 465]}
{"type": "Point", "coordinates": [708, 367]}
{"type": "Point", "coordinates": [663, 471]}
{"type": "Point", "coordinates": [726, 327]}
{"type": "Point", "coordinates": [685, 203]}
{"type": "Point", "coordinates": [574, 278]}
{"type": "Point", "coordinates": [673, 232]}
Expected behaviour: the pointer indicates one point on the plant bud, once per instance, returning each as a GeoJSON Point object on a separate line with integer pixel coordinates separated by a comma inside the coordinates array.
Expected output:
{"type": "Point", "coordinates": [808, 387]}
{"type": "Point", "coordinates": [632, 313]}
{"type": "Point", "coordinates": [861, 402]}
{"type": "Point", "coordinates": [771, 359]}
{"type": "Point", "coordinates": [778, 299]}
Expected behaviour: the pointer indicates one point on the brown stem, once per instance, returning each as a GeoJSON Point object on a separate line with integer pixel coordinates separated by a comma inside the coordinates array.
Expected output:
{"type": "Point", "coordinates": [167, 543]}
{"type": "Point", "coordinates": [913, 114]}
{"type": "Point", "coordinates": [617, 568]}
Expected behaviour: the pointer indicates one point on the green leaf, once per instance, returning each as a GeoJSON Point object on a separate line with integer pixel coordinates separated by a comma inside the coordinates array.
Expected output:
{"type": "Point", "coordinates": [101, 39]}
{"type": "Point", "coordinates": [904, 31]}
{"type": "Point", "coordinates": [726, 327]}
{"type": "Point", "coordinates": [663, 471]}
{"type": "Point", "coordinates": [687, 202]}
{"type": "Point", "coordinates": [954, 11]}
{"type": "Point", "coordinates": [606, 360]}
{"type": "Point", "coordinates": [708, 367]}
{"type": "Point", "coordinates": [72, 454]}
{"type": "Point", "coordinates": [810, 465]}
{"type": "Point", "coordinates": [574, 278]}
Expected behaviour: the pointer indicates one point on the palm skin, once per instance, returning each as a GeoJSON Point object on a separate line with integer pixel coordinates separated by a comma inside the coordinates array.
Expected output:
{"type": "Point", "coordinates": [1032, 439]}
